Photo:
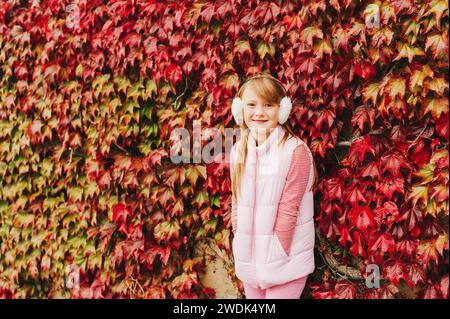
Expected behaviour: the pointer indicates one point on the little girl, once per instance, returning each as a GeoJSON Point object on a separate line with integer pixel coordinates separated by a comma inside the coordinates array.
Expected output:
{"type": "Point", "coordinates": [272, 175]}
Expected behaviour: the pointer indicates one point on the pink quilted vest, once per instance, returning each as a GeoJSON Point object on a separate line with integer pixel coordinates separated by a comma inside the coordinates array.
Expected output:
{"type": "Point", "coordinates": [260, 260]}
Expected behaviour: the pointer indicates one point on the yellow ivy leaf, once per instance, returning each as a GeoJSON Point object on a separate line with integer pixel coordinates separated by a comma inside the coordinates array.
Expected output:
{"type": "Point", "coordinates": [193, 172]}
{"type": "Point", "coordinates": [242, 46]}
{"type": "Point", "coordinates": [442, 243]}
{"type": "Point", "coordinates": [136, 90]}
{"type": "Point", "coordinates": [122, 84]}
{"type": "Point", "coordinates": [405, 51]}
{"type": "Point", "coordinates": [210, 225]}
{"type": "Point", "coordinates": [201, 198]}
{"type": "Point", "coordinates": [79, 70]}
{"type": "Point", "coordinates": [322, 47]}
{"type": "Point", "coordinates": [263, 49]}
{"type": "Point", "coordinates": [371, 92]}
{"type": "Point", "coordinates": [419, 75]}
{"type": "Point", "coordinates": [419, 193]}
{"type": "Point", "coordinates": [75, 193]}
{"type": "Point", "coordinates": [23, 220]}
{"type": "Point", "coordinates": [150, 89]}
{"type": "Point", "coordinates": [438, 45]}
{"type": "Point", "coordinates": [437, 155]}
{"type": "Point", "coordinates": [438, 8]}
{"type": "Point", "coordinates": [425, 173]}
{"type": "Point", "coordinates": [440, 192]}
{"type": "Point", "coordinates": [438, 85]}
{"type": "Point", "coordinates": [167, 230]}
{"type": "Point", "coordinates": [396, 87]}
{"type": "Point", "coordinates": [436, 107]}
{"type": "Point", "coordinates": [100, 81]}
{"type": "Point", "coordinates": [308, 34]}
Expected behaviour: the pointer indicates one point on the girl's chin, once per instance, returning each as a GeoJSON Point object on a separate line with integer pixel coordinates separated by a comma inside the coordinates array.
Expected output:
{"type": "Point", "coordinates": [261, 128]}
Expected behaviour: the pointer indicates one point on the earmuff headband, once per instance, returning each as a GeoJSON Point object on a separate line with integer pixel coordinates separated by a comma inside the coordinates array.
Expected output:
{"type": "Point", "coordinates": [237, 107]}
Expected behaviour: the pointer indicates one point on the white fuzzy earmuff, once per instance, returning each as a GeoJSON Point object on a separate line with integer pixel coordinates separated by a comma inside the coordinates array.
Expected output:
{"type": "Point", "coordinates": [237, 108]}
{"type": "Point", "coordinates": [285, 110]}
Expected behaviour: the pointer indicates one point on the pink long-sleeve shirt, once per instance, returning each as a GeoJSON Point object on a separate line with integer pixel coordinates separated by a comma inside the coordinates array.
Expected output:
{"type": "Point", "coordinates": [291, 197]}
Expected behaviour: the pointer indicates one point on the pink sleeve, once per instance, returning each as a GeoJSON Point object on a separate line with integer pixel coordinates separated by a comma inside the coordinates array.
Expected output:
{"type": "Point", "coordinates": [291, 197]}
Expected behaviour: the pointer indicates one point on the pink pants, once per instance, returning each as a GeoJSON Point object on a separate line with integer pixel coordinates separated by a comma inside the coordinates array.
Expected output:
{"type": "Point", "coordinates": [290, 290]}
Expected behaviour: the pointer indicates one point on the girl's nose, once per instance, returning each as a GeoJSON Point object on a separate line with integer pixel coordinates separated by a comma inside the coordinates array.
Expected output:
{"type": "Point", "coordinates": [259, 109]}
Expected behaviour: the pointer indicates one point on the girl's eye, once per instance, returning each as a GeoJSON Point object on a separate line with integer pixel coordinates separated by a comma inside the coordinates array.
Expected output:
{"type": "Point", "coordinates": [268, 105]}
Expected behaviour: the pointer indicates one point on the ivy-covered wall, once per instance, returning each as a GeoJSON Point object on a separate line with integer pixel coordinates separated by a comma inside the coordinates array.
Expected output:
{"type": "Point", "coordinates": [91, 205]}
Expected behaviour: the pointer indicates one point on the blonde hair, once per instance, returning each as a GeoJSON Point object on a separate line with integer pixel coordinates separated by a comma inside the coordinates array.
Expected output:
{"type": "Point", "coordinates": [270, 90]}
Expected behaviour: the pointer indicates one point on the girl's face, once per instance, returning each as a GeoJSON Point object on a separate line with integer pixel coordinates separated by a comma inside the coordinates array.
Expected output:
{"type": "Point", "coordinates": [257, 113]}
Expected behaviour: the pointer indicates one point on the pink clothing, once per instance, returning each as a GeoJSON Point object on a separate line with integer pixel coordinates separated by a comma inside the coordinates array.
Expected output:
{"type": "Point", "coordinates": [290, 290]}
{"type": "Point", "coordinates": [293, 191]}
{"type": "Point", "coordinates": [272, 217]}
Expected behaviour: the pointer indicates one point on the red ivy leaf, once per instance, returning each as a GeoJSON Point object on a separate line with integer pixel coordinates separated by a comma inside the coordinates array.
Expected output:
{"type": "Point", "coordinates": [420, 153]}
{"type": "Point", "coordinates": [133, 39]}
{"type": "Point", "coordinates": [365, 70]}
{"type": "Point", "coordinates": [357, 247]}
{"type": "Point", "coordinates": [92, 169]}
{"type": "Point", "coordinates": [395, 272]}
{"type": "Point", "coordinates": [442, 127]}
{"type": "Point", "coordinates": [34, 128]}
{"type": "Point", "coordinates": [174, 73]}
{"type": "Point", "coordinates": [361, 217]}
{"type": "Point", "coordinates": [104, 179]}
{"type": "Point", "coordinates": [345, 290]}
{"type": "Point", "coordinates": [268, 11]}
{"type": "Point", "coordinates": [325, 116]}
{"type": "Point", "coordinates": [344, 235]}
{"type": "Point", "coordinates": [293, 21]}
{"type": "Point", "coordinates": [393, 161]}
{"type": "Point", "coordinates": [372, 170]}
{"type": "Point", "coordinates": [406, 247]}
{"type": "Point", "coordinates": [384, 243]}
{"type": "Point", "coordinates": [149, 255]}
{"type": "Point", "coordinates": [444, 286]}
{"type": "Point", "coordinates": [359, 149]}
{"type": "Point", "coordinates": [389, 186]}
{"type": "Point", "coordinates": [387, 214]}
{"type": "Point", "coordinates": [157, 155]}
{"type": "Point", "coordinates": [432, 291]}
{"type": "Point", "coordinates": [364, 115]}
{"type": "Point", "coordinates": [132, 248]}
{"type": "Point", "coordinates": [416, 273]}
{"type": "Point", "coordinates": [121, 213]}
{"type": "Point", "coordinates": [355, 196]}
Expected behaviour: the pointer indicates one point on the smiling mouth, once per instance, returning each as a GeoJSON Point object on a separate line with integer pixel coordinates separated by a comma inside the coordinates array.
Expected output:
{"type": "Point", "coordinates": [259, 121]}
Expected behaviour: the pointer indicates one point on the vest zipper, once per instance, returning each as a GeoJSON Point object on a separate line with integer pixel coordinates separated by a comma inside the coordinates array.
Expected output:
{"type": "Point", "coordinates": [254, 226]}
